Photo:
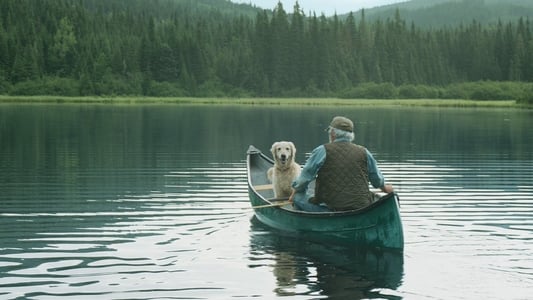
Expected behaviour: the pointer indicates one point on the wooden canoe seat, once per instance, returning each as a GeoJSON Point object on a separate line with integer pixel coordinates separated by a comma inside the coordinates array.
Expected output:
{"type": "Point", "coordinates": [263, 187]}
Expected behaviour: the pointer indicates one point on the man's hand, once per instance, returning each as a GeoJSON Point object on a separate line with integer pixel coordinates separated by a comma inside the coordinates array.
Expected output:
{"type": "Point", "coordinates": [291, 197]}
{"type": "Point", "coordinates": [387, 188]}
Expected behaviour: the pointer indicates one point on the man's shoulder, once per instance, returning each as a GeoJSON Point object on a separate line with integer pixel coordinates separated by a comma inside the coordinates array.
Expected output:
{"type": "Point", "coordinates": [360, 147]}
{"type": "Point", "coordinates": [345, 144]}
{"type": "Point", "coordinates": [319, 151]}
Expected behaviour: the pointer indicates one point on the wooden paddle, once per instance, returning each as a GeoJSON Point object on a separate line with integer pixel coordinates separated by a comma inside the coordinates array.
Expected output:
{"type": "Point", "coordinates": [281, 203]}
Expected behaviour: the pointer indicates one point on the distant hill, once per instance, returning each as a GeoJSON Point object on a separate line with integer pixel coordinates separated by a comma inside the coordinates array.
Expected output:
{"type": "Point", "coordinates": [423, 13]}
{"type": "Point", "coordinates": [439, 13]}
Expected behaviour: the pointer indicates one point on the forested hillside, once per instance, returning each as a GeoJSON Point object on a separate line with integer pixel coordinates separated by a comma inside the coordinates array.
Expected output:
{"type": "Point", "coordinates": [216, 48]}
{"type": "Point", "coordinates": [452, 13]}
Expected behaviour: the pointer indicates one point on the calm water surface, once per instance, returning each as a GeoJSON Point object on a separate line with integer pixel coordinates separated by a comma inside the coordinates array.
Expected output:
{"type": "Point", "coordinates": [150, 202]}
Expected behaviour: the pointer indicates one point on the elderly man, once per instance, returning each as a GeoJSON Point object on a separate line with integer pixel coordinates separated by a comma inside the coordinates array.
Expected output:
{"type": "Point", "coordinates": [342, 171]}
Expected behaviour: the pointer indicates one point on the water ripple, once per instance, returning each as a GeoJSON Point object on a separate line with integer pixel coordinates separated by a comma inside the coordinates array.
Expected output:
{"type": "Point", "coordinates": [127, 240]}
{"type": "Point", "coordinates": [476, 213]}
{"type": "Point", "coordinates": [186, 236]}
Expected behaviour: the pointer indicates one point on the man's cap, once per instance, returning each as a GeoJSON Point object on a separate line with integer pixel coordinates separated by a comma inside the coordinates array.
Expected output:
{"type": "Point", "coordinates": [342, 123]}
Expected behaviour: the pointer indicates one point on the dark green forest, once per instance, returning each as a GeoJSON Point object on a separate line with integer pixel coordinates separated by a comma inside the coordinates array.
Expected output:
{"type": "Point", "coordinates": [214, 48]}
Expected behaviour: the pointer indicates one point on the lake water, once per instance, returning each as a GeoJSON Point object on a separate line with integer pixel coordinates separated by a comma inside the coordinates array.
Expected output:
{"type": "Point", "coordinates": [150, 202]}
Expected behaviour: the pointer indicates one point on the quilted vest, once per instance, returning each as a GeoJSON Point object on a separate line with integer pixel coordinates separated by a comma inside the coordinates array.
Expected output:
{"type": "Point", "coordinates": [342, 182]}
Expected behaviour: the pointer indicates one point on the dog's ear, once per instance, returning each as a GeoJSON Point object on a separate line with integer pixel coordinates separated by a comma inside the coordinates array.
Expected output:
{"type": "Point", "coordinates": [273, 149]}
{"type": "Point", "coordinates": [293, 148]}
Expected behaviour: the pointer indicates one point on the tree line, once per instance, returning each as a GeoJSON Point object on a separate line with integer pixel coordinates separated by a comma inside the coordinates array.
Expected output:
{"type": "Point", "coordinates": [182, 48]}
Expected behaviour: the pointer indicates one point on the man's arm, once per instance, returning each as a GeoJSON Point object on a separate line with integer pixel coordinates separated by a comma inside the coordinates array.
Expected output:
{"type": "Point", "coordinates": [310, 169]}
{"type": "Point", "coordinates": [374, 175]}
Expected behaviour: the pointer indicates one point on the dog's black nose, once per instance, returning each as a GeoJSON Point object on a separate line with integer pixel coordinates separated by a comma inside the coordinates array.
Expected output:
{"type": "Point", "coordinates": [283, 157]}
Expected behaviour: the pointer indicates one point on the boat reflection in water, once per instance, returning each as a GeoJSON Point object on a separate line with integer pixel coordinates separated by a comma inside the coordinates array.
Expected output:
{"type": "Point", "coordinates": [307, 268]}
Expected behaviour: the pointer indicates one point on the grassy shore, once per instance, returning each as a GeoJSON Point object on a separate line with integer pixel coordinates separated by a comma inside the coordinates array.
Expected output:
{"type": "Point", "coordinates": [260, 101]}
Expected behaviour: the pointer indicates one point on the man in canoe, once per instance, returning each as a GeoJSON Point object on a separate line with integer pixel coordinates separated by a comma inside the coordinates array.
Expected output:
{"type": "Point", "coordinates": [342, 171]}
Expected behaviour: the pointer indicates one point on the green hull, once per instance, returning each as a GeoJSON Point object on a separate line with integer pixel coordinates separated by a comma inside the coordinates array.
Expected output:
{"type": "Point", "coordinates": [378, 225]}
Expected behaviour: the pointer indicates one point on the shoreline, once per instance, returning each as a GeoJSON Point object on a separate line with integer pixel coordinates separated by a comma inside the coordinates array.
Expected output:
{"type": "Point", "coordinates": [259, 101]}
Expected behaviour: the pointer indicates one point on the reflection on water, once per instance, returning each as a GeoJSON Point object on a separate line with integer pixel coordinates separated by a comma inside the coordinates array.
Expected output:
{"type": "Point", "coordinates": [112, 202]}
{"type": "Point", "coordinates": [306, 268]}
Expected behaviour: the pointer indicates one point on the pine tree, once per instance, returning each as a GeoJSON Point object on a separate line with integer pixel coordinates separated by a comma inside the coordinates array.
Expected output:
{"type": "Point", "coordinates": [63, 47]}
{"type": "Point", "coordinates": [297, 56]}
{"type": "Point", "coordinates": [280, 49]}
{"type": "Point", "coordinates": [25, 65]}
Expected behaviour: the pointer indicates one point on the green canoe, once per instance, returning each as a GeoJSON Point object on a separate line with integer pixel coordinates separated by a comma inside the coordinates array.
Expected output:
{"type": "Point", "coordinates": [378, 225]}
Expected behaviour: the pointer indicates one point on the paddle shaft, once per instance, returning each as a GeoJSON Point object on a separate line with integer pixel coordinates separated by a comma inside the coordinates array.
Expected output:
{"type": "Point", "coordinates": [281, 203]}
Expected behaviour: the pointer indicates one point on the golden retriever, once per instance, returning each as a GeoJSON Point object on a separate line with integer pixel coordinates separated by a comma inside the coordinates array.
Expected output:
{"type": "Point", "coordinates": [285, 169]}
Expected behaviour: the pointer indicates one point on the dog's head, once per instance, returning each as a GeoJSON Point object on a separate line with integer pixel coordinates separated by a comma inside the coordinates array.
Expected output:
{"type": "Point", "coordinates": [283, 152]}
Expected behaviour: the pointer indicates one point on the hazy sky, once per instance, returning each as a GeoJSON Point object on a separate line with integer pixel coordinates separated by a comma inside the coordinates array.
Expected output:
{"type": "Point", "coordinates": [328, 7]}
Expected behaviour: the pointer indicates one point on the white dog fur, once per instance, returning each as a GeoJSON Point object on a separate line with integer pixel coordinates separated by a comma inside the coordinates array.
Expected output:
{"type": "Point", "coordinates": [285, 169]}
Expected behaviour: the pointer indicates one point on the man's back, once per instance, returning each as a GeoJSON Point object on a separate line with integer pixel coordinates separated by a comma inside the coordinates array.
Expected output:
{"type": "Point", "coordinates": [342, 181]}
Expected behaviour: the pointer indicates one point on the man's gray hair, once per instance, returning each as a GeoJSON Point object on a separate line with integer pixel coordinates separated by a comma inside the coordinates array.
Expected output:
{"type": "Point", "coordinates": [343, 134]}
